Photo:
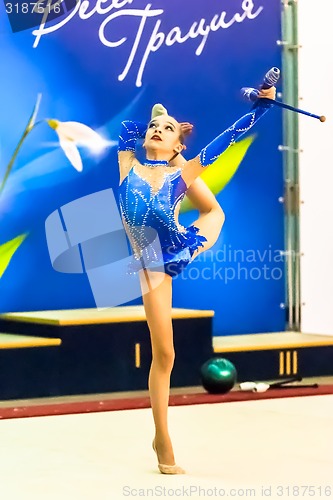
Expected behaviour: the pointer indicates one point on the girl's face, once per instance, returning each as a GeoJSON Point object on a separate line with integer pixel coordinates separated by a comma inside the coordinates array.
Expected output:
{"type": "Point", "coordinates": [163, 136]}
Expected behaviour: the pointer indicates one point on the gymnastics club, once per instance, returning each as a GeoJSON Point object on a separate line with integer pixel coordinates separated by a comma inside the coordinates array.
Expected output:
{"type": "Point", "coordinates": [252, 95]}
{"type": "Point", "coordinates": [270, 78]}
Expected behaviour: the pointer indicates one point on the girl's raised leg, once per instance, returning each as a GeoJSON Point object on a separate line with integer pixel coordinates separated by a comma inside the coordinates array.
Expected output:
{"type": "Point", "coordinates": [211, 216]}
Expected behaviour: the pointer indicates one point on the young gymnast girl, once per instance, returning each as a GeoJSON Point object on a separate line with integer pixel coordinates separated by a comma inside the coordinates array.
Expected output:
{"type": "Point", "coordinates": [150, 194]}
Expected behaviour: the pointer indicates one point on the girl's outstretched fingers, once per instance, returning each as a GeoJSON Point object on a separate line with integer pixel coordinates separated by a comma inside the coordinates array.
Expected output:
{"type": "Point", "coordinates": [186, 128]}
{"type": "Point", "coordinates": [267, 93]}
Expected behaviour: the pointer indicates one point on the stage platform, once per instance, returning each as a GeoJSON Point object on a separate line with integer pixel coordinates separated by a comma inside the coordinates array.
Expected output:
{"type": "Point", "coordinates": [27, 365]}
{"type": "Point", "coordinates": [265, 356]}
{"type": "Point", "coordinates": [9, 341]}
{"type": "Point", "coordinates": [97, 316]}
{"type": "Point", "coordinates": [108, 350]}
{"type": "Point", "coordinates": [268, 341]}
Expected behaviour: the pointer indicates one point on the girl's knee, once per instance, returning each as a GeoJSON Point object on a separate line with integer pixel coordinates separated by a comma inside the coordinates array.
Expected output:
{"type": "Point", "coordinates": [164, 358]}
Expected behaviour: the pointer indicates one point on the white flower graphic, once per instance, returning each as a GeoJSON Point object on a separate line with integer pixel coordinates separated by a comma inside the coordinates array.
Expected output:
{"type": "Point", "coordinates": [73, 134]}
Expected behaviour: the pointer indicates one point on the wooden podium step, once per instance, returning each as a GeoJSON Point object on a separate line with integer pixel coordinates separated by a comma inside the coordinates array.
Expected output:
{"type": "Point", "coordinates": [88, 351]}
{"type": "Point", "coordinates": [269, 341]}
{"type": "Point", "coordinates": [10, 341]}
{"type": "Point", "coordinates": [268, 356]}
{"type": "Point", "coordinates": [96, 316]}
{"type": "Point", "coordinates": [28, 366]}
{"type": "Point", "coordinates": [108, 350]}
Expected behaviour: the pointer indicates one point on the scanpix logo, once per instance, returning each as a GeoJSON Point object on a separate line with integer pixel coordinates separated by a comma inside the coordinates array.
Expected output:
{"type": "Point", "coordinates": [86, 236]}
{"type": "Point", "coordinates": [25, 15]}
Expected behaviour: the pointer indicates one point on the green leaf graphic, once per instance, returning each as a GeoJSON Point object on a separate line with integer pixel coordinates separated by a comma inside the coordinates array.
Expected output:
{"type": "Point", "coordinates": [7, 251]}
{"type": "Point", "coordinates": [27, 130]}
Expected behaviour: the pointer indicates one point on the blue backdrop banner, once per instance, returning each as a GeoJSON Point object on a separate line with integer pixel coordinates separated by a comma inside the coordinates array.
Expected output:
{"type": "Point", "coordinates": [100, 62]}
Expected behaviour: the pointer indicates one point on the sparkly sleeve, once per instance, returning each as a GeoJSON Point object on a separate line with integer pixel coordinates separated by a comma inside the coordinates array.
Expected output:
{"type": "Point", "coordinates": [209, 154]}
{"type": "Point", "coordinates": [130, 132]}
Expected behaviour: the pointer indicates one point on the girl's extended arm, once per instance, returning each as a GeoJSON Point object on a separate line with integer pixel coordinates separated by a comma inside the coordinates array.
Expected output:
{"type": "Point", "coordinates": [193, 168]}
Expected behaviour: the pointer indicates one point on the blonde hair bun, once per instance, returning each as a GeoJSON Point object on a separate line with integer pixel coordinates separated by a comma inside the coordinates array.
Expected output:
{"type": "Point", "coordinates": [158, 109]}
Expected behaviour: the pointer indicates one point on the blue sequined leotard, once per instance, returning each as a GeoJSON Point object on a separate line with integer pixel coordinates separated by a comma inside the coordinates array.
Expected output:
{"type": "Point", "coordinates": [148, 211]}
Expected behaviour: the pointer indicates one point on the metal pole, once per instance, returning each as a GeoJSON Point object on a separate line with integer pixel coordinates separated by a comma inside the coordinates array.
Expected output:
{"type": "Point", "coordinates": [290, 150]}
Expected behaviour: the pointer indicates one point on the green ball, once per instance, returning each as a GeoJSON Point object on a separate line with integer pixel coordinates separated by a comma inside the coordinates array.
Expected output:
{"type": "Point", "coordinates": [218, 375]}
